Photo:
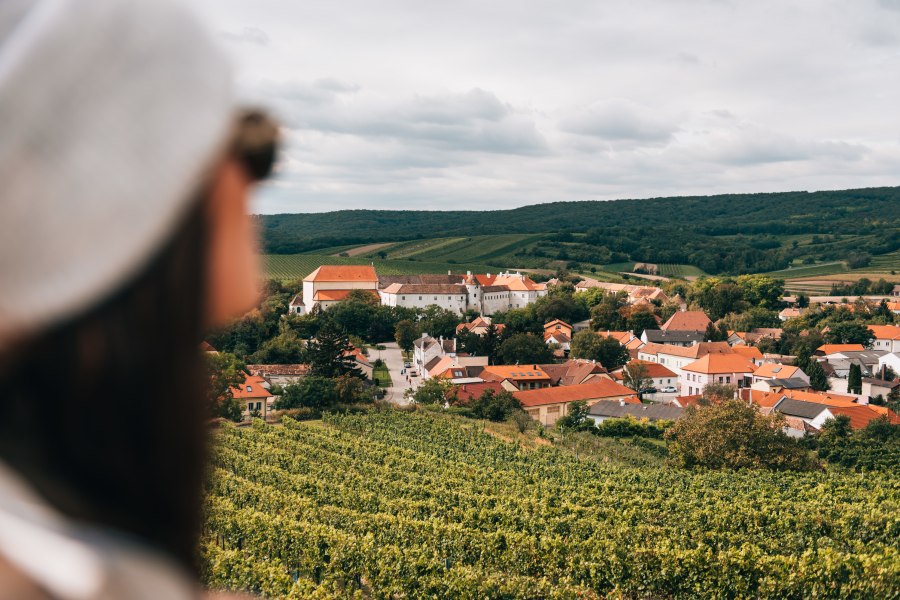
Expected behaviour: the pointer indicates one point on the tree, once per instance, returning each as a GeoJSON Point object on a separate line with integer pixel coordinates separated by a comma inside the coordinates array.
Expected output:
{"type": "Point", "coordinates": [522, 420]}
{"type": "Point", "coordinates": [405, 334]}
{"type": "Point", "coordinates": [330, 354]}
{"type": "Point", "coordinates": [283, 349]}
{"type": "Point", "coordinates": [439, 322]}
{"type": "Point", "coordinates": [636, 376]}
{"type": "Point", "coordinates": [433, 390]}
{"type": "Point", "coordinates": [225, 371]}
{"type": "Point", "coordinates": [312, 391]}
{"type": "Point", "coordinates": [733, 435]}
{"type": "Point", "coordinates": [716, 393]}
{"type": "Point", "coordinates": [641, 319]}
{"type": "Point", "coordinates": [559, 303]}
{"type": "Point", "coordinates": [524, 348]}
{"type": "Point", "coordinates": [817, 378]}
{"type": "Point", "coordinates": [854, 379]}
{"type": "Point", "coordinates": [761, 291]}
{"type": "Point", "coordinates": [606, 315]}
{"type": "Point", "coordinates": [849, 332]}
{"type": "Point", "coordinates": [576, 418]}
{"type": "Point", "coordinates": [716, 333]}
{"type": "Point", "coordinates": [494, 406]}
{"type": "Point", "coordinates": [605, 350]}
{"type": "Point", "coordinates": [353, 390]}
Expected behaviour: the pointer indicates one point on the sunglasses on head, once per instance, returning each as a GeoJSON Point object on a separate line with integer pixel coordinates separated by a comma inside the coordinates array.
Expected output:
{"type": "Point", "coordinates": [255, 143]}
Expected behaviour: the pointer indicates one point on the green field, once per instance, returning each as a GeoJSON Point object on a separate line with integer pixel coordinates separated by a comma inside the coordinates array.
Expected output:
{"type": "Point", "coordinates": [670, 270]}
{"type": "Point", "coordinates": [296, 266]}
{"type": "Point", "coordinates": [884, 263]}
{"type": "Point", "coordinates": [476, 249]}
{"type": "Point", "coordinates": [382, 376]}
{"type": "Point", "coordinates": [397, 505]}
{"type": "Point", "coordinates": [810, 270]}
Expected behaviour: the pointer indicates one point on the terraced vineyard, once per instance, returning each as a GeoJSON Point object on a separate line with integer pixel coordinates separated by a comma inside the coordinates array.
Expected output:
{"type": "Point", "coordinates": [885, 263]}
{"type": "Point", "coordinates": [670, 270]}
{"type": "Point", "coordinates": [397, 505]}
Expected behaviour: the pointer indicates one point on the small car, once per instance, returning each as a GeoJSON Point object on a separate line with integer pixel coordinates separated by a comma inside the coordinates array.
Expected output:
{"type": "Point", "coordinates": [669, 389]}
{"type": "Point", "coordinates": [649, 390]}
{"type": "Point", "coordinates": [406, 365]}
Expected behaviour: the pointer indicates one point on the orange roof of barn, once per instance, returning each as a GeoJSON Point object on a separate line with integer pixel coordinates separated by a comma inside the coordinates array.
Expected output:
{"type": "Point", "coordinates": [343, 273]}
{"type": "Point", "coordinates": [338, 295]}
{"type": "Point", "coordinates": [557, 323]}
{"type": "Point", "coordinates": [593, 390]}
{"type": "Point", "coordinates": [833, 348]}
{"type": "Point", "coordinates": [687, 320]}
{"type": "Point", "coordinates": [620, 336]}
{"type": "Point", "coordinates": [721, 363]}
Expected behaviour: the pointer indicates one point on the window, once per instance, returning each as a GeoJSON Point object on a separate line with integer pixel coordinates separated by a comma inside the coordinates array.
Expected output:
{"type": "Point", "coordinates": [728, 379]}
{"type": "Point", "coordinates": [249, 388]}
{"type": "Point", "coordinates": [403, 297]}
{"type": "Point", "coordinates": [420, 297]}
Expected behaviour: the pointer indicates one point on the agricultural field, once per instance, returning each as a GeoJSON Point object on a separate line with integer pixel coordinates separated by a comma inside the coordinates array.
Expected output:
{"type": "Point", "coordinates": [392, 504]}
{"type": "Point", "coordinates": [670, 270]}
{"type": "Point", "coordinates": [884, 263]}
{"type": "Point", "coordinates": [288, 267]}
{"type": "Point", "coordinates": [474, 249]}
{"type": "Point", "coordinates": [796, 272]}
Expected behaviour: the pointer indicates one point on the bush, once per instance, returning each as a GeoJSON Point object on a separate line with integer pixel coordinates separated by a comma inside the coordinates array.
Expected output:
{"type": "Point", "coordinates": [733, 435]}
{"type": "Point", "coordinates": [632, 427]}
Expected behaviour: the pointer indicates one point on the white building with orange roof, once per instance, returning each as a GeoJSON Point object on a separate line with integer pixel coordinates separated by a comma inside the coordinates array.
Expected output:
{"type": "Point", "coordinates": [254, 396]}
{"type": "Point", "coordinates": [769, 371]}
{"type": "Point", "coordinates": [330, 284]}
{"type": "Point", "coordinates": [676, 358]}
{"type": "Point", "coordinates": [517, 377]}
{"type": "Point", "coordinates": [887, 337]}
{"type": "Point", "coordinates": [727, 369]}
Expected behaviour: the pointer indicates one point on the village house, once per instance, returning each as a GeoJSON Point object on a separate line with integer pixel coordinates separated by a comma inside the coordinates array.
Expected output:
{"type": "Point", "coordinates": [738, 338]}
{"type": "Point", "coordinates": [660, 376]}
{"type": "Point", "coordinates": [790, 313]}
{"type": "Point", "coordinates": [574, 371]}
{"type": "Point", "coordinates": [829, 349]}
{"type": "Point", "coordinates": [889, 361]}
{"type": "Point", "coordinates": [887, 337]}
{"type": "Point", "coordinates": [814, 414]}
{"type": "Point", "coordinates": [777, 385]}
{"type": "Point", "coordinates": [296, 306]}
{"type": "Point", "coordinates": [547, 405]}
{"type": "Point", "coordinates": [427, 348]}
{"type": "Point", "coordinates": [559, 333]}
{"type": "Point", "coordinates": [465, 392]}
{"type": "Point", "coordinates": [605, 409]}
{"type": "Point", "coordinates": [253, 396]}
{"type": "Point", "coordinates": [455, 368]}
{"type": "Point", "coordinates": [330, 284]}
{"type": "Point", "coordinates": [771, 371]}
{"type": "Point", "coordinates": [517, 377]}
{"type": "Point", "coordinates": [727, 369]}
{"type": "Point", "coordinates": [675, 358]}
{"type": "Point", "coordinates": [479, 326]}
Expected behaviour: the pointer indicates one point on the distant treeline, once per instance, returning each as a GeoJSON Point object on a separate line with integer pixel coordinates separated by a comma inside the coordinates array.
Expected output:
{"type": "Point", "coordinates": [732, 233]}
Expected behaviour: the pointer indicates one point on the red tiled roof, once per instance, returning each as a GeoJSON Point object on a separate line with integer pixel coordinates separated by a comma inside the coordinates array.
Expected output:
{"type": "Point", "coordinates": [593, 390]}
{"type": "Point", "coordinates": [654, 370]}
{"type": "Point", "coordinates": [343, 273]}
{"type": "Point", "coordinates": [860, 415]}
{"type": "Point", "coordinates": [776, 370]}
{"type": "Point", "coordinates": [467, 391]}
{"type": "Point", "coordinates": [827, 349]}
{"type": "Point", "coordinates": [515, 372]}
{"type": "Point", "coordinates": [695, 351]}
{"type": "Point", "coordinates": [885, 332]}
{"type": "Point", "coordinates": [687, 320]}
{"type": "Point", "coordinates": [721, 363]}
{"type": "Point", "coordinates": [251, 388]}
{"type": "Point", "coordinates": [748, 352]}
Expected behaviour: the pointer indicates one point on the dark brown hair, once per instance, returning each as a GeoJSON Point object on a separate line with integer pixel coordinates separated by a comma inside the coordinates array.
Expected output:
{"type": "Point", "coordinates": [105, 414]}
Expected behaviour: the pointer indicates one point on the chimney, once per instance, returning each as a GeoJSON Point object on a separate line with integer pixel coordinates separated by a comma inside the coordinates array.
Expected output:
{"type": "Point", "coordinates": [621, 402]}
{"type": "Point", "coordinates": [468, 273]}
{"type": "Point", "coordinates": [448, 272]}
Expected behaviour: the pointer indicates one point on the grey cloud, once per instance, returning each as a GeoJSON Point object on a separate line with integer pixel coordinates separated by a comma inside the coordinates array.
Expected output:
{"type": "Point", "coordinates": [752, 146]}
{"type": "Point", "coordinates": [248, 35]}
{"type": "Point", "coordinates": [619, 120]}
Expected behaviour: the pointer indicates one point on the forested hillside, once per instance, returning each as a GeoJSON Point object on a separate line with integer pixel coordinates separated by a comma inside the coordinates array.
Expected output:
{"type": "Point", "coordinates": [396, 505]}
{"type": "Point", "coordinates": [735, 233]}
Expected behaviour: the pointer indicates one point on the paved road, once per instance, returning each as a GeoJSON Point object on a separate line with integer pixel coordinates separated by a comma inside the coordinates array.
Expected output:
{"type": "Point", "coordinates": [393, 358]}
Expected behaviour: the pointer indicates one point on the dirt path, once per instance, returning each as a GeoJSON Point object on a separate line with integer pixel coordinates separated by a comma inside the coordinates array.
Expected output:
{"type": "Point", "coordinates": [367, 249]}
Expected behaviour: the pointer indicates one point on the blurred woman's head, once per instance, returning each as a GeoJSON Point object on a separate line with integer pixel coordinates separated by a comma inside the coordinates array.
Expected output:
{"type": "Point", "coordinates": [124, 171]}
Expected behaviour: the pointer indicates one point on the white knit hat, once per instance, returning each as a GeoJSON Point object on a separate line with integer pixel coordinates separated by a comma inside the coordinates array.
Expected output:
{"type": "Point", "coordinates": [111, 113]}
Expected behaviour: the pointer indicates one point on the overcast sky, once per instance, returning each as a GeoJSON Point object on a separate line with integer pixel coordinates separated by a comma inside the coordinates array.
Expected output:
{"type": "Point", "coordinates": [496, 104]}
